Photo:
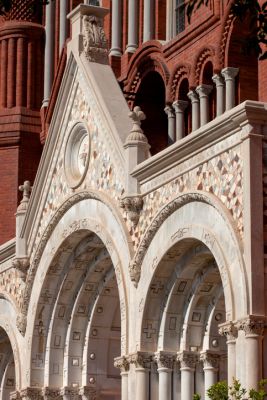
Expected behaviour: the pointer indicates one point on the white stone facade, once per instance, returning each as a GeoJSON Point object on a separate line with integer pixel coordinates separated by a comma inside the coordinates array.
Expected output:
{"type": "Point", "coordinates": [154, 263]}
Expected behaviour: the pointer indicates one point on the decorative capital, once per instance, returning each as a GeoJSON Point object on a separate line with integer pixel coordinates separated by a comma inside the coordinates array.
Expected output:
{"type": "Point", "coordinates": [218, 80]}
{"type": "Point", "coordinates": [193, 96]}
{"type": "Point", "coordinates": [26, 189]}
{"type": "Point", "coordinates": [140, 359]}
{"type": "Point", "coordinates": [180, 105]}
{"type": "Point", "coordinates": [31, 393]}
{"type": "Point", "coordinates": [21, 323]}
{"type": "Point", "coordinates": [169, 111]}
{"type": "Point", "coordinates": [70, 393]}
{"type": "Point", "coordinates": [187, 359]}
{"type": "Point", "coordinates": [21, 264]}
{"type": "Point", "coordinates": [133, 206]}
{"type": "Point", "coordinates": [122, 363]}
{"type": "Point", "coordinates": [228, 330]}
{"type": "Point", "coordinates": [51, 393]}
{"type": "Point", "coordinates": [229, 73]}
{"type": "Point", "coordinates": [252, 325]}
{"type": "Point", "coordinates": [210, 360]}
{"type": "Point", "coordinates": [87, 393]}
{"type": "Point", "coordinates": [164, 360]}
{"type": "Point", "coordinates": [15, 395]}
{"type": "Point", "coordinates": [135, 272]}
{"type": "Point", "coordinates": [95, 45]}
{"type": "Point", "coordinates": [204, 90]}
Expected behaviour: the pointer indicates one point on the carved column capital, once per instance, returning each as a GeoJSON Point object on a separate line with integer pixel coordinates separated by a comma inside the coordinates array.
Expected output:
{"type": "Point", "coordinates": [252, 325]}
{"type": "Point", "coordinates": [180, 105]}
{"type": "Point", "coordinates": [164, 360]}
{"type": "Point", "coordinates": [51, 393]}
{"type": "Point", "coordinates": [122, 363]}
{"type": "Point", "coordinates": [193, 96]}
{"type": "Point", "coordinates": [87, 393]}
{"type": "Point", "coordinates": [69, 393]}
{"type": "Point", "coordinates": [229, 330]}
{"type": "Point", "coordinates": [140, 359]}
{"type": "Point", "coordinates": [169, 111]}
{"type": "Point", "coordinates": [210, 360]}
{"type": "Point", "coordinates": [218, 80]}
{"type": "Point", "coordinates": [15, 395]}
{"type": "Point", "coordinates": [204, 90]}
{"type": "Point", "coordinates": [31, 393]}
{"type": "Point", "coordinates": [229, 73]}
{"type": "Point", "coordinates": [187, 359]}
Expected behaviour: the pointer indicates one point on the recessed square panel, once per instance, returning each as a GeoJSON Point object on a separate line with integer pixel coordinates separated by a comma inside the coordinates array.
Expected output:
{"type": "Point", "coordinates": [196, 317]}
{"type": "Point", "coordinates": [181, 286]}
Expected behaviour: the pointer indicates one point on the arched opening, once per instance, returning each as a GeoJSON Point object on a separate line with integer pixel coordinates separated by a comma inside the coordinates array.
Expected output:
{"type": "Point", "coordinates": [78, 321]}
{"type": "Point", "coordinates": [151, 98]}
{"type": "Point", "coordinates": [207, 75]}
{"type": "Point", "coordinates": [184, 307]}
{"type": "Point", "coordinates": [7, 367]}
{"type": "Point", "coordinates": [182, 95]}
{"type": "Point", "coordinates": [239, 55]}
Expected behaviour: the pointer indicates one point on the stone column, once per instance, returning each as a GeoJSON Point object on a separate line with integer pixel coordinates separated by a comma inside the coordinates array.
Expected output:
{"type": "Point", "coordinates": [171, 124]}
{"type": "Point", "coordinates": [187, 361]}
{"type": "Point", "coordinates": [132, 26]}
{"type": "Point", "coordinates": [123, 364]}
{"type": "Point", "coordinates": [203, 92]}
{"type": "Point", "coordinates": [179, 108]}
{"type": "Point", "coordinates": [148, 33]}
{"type": "Point", "coordinates": [220, 98]}
{"type": "Point", "coordinates": [116, 29]}
{"type": "Point", "coordinates": [165, 366]}
{"type": "Point", "coordinates": [63, 24]}
{"type": "Point", "coordinates": [142, 363]}
{"type": "Point", "coordinates": [253, 326]}
{"type": "Point", "coordinates": [230, 332]}
{"type": "Point", "coordinates": [229, 75]}
{"type": "Point", "coordinates": [210, 366]}
{"type": "Point", "coordinates": [195, 109]}
{"type": "Point", "coordinates": [49, 50]}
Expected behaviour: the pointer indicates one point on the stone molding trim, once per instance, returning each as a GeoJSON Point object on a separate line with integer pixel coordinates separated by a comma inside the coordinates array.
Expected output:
{"type": "Point", "coordinates": [71, 201]}
{"type": "Point", "coordinates": [252, 325]}
{"type": "Point", "coordinates": [162, 215]}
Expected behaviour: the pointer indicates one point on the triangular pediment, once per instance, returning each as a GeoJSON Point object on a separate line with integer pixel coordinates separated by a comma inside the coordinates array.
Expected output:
{"type": "Point", "coordinates": [84, 147]}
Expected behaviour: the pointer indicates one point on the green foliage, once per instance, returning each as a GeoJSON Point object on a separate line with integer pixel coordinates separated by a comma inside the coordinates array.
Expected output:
{"type": "Point", "coordinates": [242, 9]}
{"type": "Point", "coordinates": [218, 391]}
{"type": "Point", "coordinates": [196, 396]}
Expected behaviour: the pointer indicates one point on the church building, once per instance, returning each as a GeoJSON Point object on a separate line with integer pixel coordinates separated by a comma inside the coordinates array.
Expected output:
{"type": "Point", "coordinates": [133, 202]}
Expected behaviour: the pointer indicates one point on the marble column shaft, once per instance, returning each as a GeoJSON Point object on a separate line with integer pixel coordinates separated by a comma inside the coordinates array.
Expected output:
{"type": "Point", "coordinates": [132, 26]}
{"type": "Point", "coordinates": [193, 96]}
{"type": "Point", "coordinates": [49, 50]}
{"type": "Point", "coordinates": [179, 107]}
{"type": "Point", "coordinates": [203, 92]}
{"type": "Point", "coordinates": [220, 95]}
{"type": "Point", "coordinates": [171, 124]}
{"type": "Point", "coordinates": [116, 28]}
{"type": "Point", "coordinates": [187, 366]}
{"type": "Point", "coordinates": [148, 32]}
{"type": "Point", "coordinates": [63, 23]}
{"type": "Point", "coordinates": [229, 75]}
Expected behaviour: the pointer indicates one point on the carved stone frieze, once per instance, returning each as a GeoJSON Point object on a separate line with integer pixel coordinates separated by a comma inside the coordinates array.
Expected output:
{"type": "Point", "coordinates": [164, 360]}
{"type": "Point", "coordinates": [122, 363]}
{"type": "Point", "coordinates": [187, 359]}
{"type": "Point", "coordinates": [210, 360]}
{"type": "Point", "coordinates": [133, 206]}
{"type": "Point", "coordinates": [87, 393]}
{"type": "Point", "coordinates": [252, 325]}
{"type": "Point", "coordinates": [95, 44]}
{"type": "Point", "coordinates": [140, 359]}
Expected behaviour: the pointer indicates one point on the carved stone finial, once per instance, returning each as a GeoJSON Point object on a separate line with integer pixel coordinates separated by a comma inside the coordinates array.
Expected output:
{"type": "Point", "coordinates": [95, 45]}
{"type": "Point", "coordinates": [26, 189]}
{"type": "Point", "coordinates": [137, 116]}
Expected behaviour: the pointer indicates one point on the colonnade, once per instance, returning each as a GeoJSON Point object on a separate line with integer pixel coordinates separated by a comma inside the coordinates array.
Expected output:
{"type": "Point", "coordinates": [199, 98]}
{"type": "Point", "coordinates": [133, 25]}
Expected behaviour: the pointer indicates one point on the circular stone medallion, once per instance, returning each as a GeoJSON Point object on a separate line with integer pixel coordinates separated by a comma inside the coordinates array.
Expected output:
{"type": "Point", "coordinates": [77, 154]}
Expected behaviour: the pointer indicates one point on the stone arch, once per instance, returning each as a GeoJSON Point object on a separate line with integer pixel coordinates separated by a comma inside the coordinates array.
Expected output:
{"type": "Point", "coordinates": [83, 218]}
{"type": "Point", "coordinates": [180, 73]}
{"type": "Point", "coordinates": [204, 55]}
{"type": "Point", "coordinates": [9, 330]}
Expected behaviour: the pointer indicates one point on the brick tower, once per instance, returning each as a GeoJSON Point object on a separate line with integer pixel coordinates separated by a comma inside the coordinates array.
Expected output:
{"type": "Point", "coordinates": [21, 92]}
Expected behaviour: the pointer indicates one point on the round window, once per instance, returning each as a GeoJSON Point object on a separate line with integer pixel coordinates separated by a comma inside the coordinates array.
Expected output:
{"type": "Point", "coordinates": [77, 154]}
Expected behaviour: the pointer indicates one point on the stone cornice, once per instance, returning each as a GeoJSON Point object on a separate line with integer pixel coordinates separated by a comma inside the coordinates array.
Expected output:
{"type": "Point", "coordinates": [222, 127]}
